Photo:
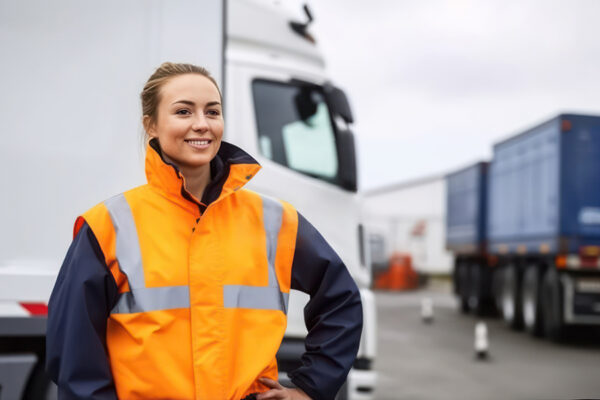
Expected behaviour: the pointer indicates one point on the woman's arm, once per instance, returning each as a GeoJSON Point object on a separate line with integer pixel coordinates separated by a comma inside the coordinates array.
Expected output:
{"type": "Point", "coordinates": [84, 294]}
{"type": "Point", "coordinates": [333, 315]}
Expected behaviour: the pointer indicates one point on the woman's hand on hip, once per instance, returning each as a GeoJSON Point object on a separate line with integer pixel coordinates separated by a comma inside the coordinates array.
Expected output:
{"type": "Point", "coordinates": [278, 392]}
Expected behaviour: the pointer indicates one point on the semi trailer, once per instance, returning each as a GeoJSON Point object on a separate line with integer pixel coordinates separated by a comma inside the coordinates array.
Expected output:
{"type": "Point", "coordinates": [71, 76]}
{"type": "Point", "coordinates": [525, 228]}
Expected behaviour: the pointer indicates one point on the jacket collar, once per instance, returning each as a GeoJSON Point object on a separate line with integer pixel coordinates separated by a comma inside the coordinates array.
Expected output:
{"type": "Point", "coordinates": [230, 170]}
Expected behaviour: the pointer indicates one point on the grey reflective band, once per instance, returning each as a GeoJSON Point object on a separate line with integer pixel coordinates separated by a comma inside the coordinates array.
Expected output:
{"type": "Point", "coordinates": [129, 256]}
{"type": "Point", "coordinates": [272, 216]}
{"type": "Point", "coordinates": [256, 297]}
{"type": "Point", "coordinates": [153, 299]}
{"type": "Point", "coordinates": [270, 297]}
{"type": "Point", "coordinates": [128, 251]}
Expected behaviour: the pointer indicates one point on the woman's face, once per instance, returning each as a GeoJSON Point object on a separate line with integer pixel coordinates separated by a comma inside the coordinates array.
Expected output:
{"type": "Point", "coordinates": [189, 123]}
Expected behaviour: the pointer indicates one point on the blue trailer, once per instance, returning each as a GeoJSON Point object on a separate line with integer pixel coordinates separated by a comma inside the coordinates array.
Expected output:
{"type": "Point", "coordinates": [466, 207]}
{"type": "Point", "coordinates": [532, 247]}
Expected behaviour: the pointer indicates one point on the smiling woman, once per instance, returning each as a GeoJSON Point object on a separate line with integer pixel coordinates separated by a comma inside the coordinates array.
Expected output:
{"type": "Point", "coordinates": [179, 289]}
{"type": "Point", "coordinates": [187, 121]}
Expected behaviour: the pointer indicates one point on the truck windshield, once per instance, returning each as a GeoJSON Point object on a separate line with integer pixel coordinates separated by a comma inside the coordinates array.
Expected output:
{"type": "Point", "coordinates": [295, 128]}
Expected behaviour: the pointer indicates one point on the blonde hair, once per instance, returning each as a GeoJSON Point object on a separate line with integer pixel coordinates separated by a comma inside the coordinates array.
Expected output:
{"type": "Point", "coordinates": [150, 95]}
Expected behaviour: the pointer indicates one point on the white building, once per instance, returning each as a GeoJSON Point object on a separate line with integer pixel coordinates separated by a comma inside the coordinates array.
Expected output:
{"type": "Point", "coordinates": [410, 218]}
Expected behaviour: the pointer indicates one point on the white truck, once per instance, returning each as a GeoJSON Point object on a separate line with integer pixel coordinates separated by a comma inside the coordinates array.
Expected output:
{"type": "Point", "coordinates": [71, 75]}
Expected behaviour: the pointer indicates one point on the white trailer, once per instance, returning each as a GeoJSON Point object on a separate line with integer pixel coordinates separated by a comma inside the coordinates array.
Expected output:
{"type": "Point", "coordinates": [410, 218]}
{"type": "Point", "coordinates": [71, 76]}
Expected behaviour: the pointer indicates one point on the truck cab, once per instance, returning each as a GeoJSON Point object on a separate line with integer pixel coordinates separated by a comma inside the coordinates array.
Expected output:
{"type": "Point", "coordinates": [298, 126]}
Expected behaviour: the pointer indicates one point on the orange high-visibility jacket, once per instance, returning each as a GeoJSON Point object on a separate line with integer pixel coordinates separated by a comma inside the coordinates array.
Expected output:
{"type": "Point", "coordinates": [196, 292]}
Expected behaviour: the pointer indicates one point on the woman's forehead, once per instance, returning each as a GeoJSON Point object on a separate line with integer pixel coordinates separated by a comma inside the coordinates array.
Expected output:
{"type": "Point", "coordinates": [193, 87]}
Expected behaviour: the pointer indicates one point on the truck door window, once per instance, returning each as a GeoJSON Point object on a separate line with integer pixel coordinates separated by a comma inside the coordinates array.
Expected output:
{"type": "Point", "coordinates": [295, 128]}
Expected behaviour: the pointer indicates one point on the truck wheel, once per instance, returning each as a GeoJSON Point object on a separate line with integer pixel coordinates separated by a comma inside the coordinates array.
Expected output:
{"type": "Point", "coordinates": [552, 304]}
{"type": "Point", "coordinates": [455, 279]}
{"type": "Point", "coordinates": [531, 295]}
{"type": "Point", "coordinates": [497, 279]}
{"type": "Point", "coordinates": [463, 286]}
{"type": "Point", "coordinates": [476, 301]}
{"type": "Point", "coordinates": [511, 297]}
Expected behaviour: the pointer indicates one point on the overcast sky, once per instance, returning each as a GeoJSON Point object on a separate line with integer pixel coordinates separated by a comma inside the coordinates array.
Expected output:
{"type": "Point", "coordinates": [435, 83]}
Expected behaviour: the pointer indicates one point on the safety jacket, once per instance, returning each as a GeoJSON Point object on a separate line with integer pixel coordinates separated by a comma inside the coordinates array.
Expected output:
{"type": "Point", "coordinates": [192, 298]}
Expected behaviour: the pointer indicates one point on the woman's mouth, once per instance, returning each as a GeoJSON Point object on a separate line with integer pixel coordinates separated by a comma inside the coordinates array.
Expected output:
{"type": "Point", "coordinates": [199, 143]}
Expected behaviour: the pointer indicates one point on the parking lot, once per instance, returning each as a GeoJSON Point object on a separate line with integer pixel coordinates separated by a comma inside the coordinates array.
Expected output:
{"type": "Point", "coordinates": [437, 360]}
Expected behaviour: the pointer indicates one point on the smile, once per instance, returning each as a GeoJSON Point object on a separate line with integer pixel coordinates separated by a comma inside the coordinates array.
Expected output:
{"type": "Point", "coordinates": [198, 143]}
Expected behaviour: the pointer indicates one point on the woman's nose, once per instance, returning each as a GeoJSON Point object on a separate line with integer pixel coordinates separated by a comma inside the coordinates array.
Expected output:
{"type": "Point", "coordinates": [200, 123]}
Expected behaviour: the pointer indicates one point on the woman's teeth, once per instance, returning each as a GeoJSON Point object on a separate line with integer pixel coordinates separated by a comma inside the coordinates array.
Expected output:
{"type": "Point", "coordinates": [198, 143]}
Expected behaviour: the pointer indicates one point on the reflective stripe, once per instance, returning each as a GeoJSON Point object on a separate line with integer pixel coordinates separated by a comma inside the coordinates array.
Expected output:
{"type": "Point", "coordinates": [153, 299]}
{"type": "Point", "coordinates": [272, 216]}
{"type": "Point", "coordinates": [270, 297]}
{"type": "Point", "coordinates": [128, 245]}
{"type": "Point", "coordinates": [263, 298]}
{"type": "Point", "coordinates": [129, 256]}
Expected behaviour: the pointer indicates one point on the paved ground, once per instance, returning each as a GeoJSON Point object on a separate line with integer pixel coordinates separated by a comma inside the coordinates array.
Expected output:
{"type": "Point", "coordinates": [436, 361]}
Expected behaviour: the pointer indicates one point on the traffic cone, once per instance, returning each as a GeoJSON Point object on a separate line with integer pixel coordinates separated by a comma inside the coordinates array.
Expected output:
{"type": "Point", "coordinates": [481, 341]}
{"type": "Point", "coordinates": [427, 310]}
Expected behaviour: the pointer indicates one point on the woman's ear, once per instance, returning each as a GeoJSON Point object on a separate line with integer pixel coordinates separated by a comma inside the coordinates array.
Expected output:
{"type": "Point", "coordinates": [149, 126]}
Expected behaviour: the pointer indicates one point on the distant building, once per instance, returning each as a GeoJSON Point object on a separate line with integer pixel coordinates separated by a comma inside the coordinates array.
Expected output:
{"type": "Point", "coordinates": [409, 217]}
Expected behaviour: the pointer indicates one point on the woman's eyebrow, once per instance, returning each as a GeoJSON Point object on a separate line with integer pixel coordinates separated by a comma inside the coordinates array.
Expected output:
{"type": "Point", "coordinates": [191, 103]}
{"type": "Point", "coordinates": [188, 102]}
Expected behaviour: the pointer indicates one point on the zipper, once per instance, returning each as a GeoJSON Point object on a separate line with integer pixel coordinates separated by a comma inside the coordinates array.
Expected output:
{"type": "Point", "coordinates": [188, 196]}
{"type": "Point", "coordinates": [194, 228]}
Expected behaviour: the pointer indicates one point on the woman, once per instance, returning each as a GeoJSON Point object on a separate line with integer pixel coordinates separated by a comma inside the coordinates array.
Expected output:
{"type": "Point", "coordinates": [178, 289]}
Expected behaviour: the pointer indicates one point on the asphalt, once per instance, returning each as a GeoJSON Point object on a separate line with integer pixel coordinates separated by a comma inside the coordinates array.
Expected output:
{"type": "Point", "coordinates": [416, 360]}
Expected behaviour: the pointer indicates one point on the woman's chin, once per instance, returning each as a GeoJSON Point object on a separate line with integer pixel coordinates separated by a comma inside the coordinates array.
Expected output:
{"type": "Point", "coordinates": [195, 162]}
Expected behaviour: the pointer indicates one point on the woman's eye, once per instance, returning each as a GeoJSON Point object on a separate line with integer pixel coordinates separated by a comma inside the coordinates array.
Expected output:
{"type": "Point", "coordinates": [183, 111]}
{"type": "Point", "coordinates": [214, 112]}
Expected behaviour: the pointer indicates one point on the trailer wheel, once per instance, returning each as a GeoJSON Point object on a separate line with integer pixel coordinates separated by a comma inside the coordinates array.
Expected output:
{"type": "Point", "coordinates": [463, 286]}
{"type": "Point", "coordinates": [511, 297]}
{"type": "Point", "coordinates": [552, 304]}
{"type": "Point", "coordinates": [476, 300]}
{"type": "Point", "coordinates": [455, 278]}
{"type": "Point", "coordinates": [531, 295]}
{"type": "Point", "coordinates": [497, 287]}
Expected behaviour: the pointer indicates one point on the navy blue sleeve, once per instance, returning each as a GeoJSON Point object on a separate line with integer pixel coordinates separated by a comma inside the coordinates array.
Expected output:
{"type": "Point", "coordinates": [84, 294]}
{"type": "Point", "coordinates": [333, 316]}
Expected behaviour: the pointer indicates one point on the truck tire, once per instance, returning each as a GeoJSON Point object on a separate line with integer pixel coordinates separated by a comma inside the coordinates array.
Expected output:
{"type": "Point", "coordinates": [497, 282]}
{"type": "Point", "coordinates": [511, 297]}
{"type": "Point", "coordinates": [552, 306]}
{"type": "Point", "coordinates": [531, 301]}
{"type": "Point", "coordinates": [476, 289]}
{"type": "Point", "coordinates": [455, 279]}
{"type": "Point", "coordinates": [463, 286]}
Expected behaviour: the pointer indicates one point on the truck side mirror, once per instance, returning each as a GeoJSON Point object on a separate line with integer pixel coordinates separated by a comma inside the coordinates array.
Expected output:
{"type": "Point", "coordinates": [305, 105]}
{"type": "Point", "coordinates": [347, 160]}
{"type": "Point", "coordinates": [338, 102]}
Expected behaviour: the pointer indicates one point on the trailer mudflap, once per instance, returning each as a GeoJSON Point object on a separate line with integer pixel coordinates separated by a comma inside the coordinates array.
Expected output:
{"type": "Point", "coordinates": [582, 299]}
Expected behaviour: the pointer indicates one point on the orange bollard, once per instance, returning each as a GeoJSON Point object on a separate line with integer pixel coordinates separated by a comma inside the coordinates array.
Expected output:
{"type": "Point", "coordinates": [382, 280]}
{"type": "Point", "coordinates": [402, 276]}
